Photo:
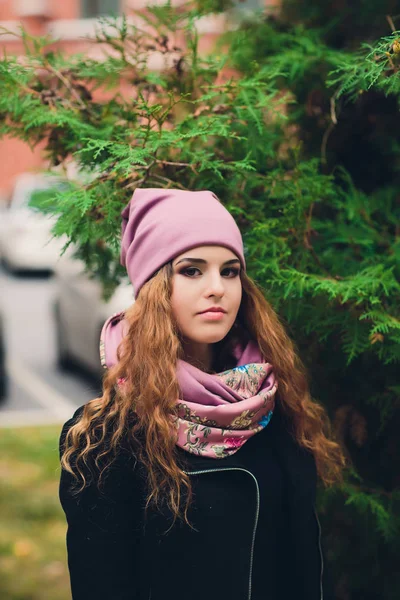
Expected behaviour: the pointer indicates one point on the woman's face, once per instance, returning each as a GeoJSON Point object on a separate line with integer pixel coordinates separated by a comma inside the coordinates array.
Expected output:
{"type": "Point", "coordinates": [203, 277]}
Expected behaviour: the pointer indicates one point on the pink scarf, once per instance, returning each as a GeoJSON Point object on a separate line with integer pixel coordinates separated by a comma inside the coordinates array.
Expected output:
{"type": "Point", "coordinates": [217, 413]}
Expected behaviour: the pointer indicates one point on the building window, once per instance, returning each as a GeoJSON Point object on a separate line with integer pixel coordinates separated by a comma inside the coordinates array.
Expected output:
{"type": "Point", "coordinates": [91, 9]}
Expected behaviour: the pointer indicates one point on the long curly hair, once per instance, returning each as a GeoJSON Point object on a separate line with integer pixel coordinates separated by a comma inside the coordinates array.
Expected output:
{"type": "Point", "coordinates": [144, 407]}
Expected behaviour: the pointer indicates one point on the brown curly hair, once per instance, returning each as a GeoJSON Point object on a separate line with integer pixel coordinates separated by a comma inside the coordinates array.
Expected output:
{"type": "Point", "coordinates": [147, 359]}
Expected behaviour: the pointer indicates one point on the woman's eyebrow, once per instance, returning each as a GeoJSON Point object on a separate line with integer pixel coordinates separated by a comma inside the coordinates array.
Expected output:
{"type": "Point", "coordinates": [202, 261]}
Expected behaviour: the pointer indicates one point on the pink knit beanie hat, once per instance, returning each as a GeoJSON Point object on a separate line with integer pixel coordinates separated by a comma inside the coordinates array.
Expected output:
{"type": "Point", "coordinates": [159, 224]}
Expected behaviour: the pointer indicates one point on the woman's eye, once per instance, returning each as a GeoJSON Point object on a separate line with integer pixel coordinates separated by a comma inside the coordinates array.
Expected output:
{"type": "Point", "coordinates": [186, 271]}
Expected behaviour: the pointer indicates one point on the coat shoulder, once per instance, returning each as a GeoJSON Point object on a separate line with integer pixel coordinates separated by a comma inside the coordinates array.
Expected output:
{"type": "Point", "coordinates": [101, 454]}
{"type": "Point", "coordinates": [67, 426]}
{"type": "Point", "coordinates": [103, 475]}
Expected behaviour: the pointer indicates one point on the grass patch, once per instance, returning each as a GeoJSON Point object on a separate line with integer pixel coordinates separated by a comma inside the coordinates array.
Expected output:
{"type": "Point", "coordinates": [33, 560]}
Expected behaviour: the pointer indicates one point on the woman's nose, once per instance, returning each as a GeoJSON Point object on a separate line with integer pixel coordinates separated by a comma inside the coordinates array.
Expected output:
{"type": "Point", "coordinates": [216, 284]}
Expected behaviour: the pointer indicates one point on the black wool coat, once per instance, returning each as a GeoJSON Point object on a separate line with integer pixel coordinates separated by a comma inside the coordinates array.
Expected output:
{"type": "Point", "coordinates": [116, 552]}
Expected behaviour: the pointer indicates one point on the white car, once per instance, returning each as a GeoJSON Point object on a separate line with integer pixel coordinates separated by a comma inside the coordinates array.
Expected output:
{"type": "Point", "coordinates": [26, 241]}
{"type": "Point", "coordinates": [80, 313]}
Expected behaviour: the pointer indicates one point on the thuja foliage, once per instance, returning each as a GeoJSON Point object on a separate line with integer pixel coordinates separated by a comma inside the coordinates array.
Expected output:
{"type": "Point", "coordinates": [300, 143]}
{"type": "Point", "coordinates": [344, 117]}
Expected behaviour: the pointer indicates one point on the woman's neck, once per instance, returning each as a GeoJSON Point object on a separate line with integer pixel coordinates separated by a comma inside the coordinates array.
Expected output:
{"type": "Point", "coordinates": [200, 356]}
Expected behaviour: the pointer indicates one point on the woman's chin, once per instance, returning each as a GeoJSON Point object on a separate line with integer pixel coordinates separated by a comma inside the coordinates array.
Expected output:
{"type": "Point", "coordinates": [211, 338]}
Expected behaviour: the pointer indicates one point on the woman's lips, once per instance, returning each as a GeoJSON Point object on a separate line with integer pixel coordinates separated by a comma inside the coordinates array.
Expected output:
{"type": "Point", "coordinates": [212, 315]}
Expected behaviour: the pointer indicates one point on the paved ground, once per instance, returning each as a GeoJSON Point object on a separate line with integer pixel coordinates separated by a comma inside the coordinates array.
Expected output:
{"type": "Point", "coordinates": [38, 392]}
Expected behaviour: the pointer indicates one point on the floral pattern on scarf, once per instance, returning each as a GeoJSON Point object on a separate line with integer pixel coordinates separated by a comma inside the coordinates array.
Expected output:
{"type": "Point", "coordinates": [220, 428]}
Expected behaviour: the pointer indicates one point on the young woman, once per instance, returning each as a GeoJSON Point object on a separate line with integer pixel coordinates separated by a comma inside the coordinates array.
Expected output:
{"type": "Point", "coordinates": [194, 475]}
